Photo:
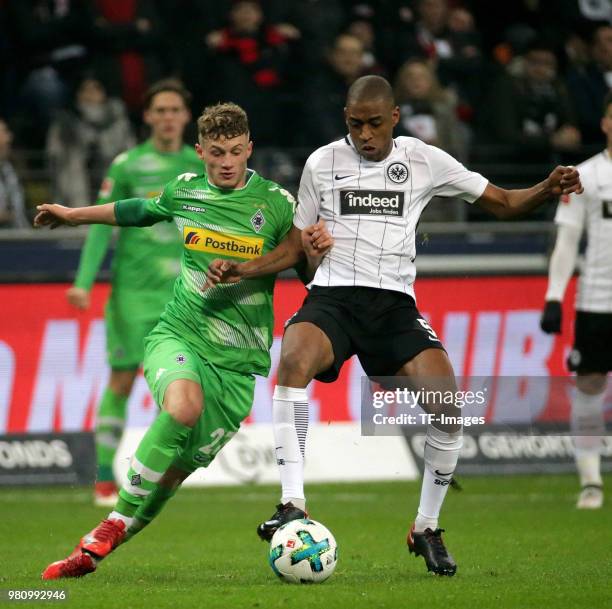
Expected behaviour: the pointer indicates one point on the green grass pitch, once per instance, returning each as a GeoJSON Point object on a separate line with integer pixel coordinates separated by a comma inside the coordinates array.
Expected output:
{"type": "Point", "coordinates": [519, 543]}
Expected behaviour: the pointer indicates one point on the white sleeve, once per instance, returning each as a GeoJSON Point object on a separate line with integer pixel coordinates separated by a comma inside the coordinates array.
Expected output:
{"type": "Point", "coordinates": [563, 261]}
{"type": "Point", "coordinates": [308, 205]}
{"type": "Point", "coordinates": [571, 210]}
{"type": "Point", "coordinates": [451, 179]}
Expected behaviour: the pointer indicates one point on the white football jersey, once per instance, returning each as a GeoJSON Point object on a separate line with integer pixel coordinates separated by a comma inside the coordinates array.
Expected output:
{"type": "Point", "coordinates": [372, 208]}
{"type": "Point", "coordinates": [592, 210]}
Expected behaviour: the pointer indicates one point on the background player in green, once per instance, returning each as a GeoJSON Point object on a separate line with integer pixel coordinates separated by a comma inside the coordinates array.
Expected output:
{"type": "Point", "coordinates": [145, 264]}
{"type": "Point", "coordinates": [201, 358]}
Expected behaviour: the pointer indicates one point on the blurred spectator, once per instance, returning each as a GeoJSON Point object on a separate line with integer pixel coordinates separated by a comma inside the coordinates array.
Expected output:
{"type": "Point", "coordinates": [251, 60]}
{"type": "Point", "coordinates": [12, 208]}
{"type": "Point", "coordinates": [392, 20]}
{"type": "Point", "coordinates": [325, 93]}
{"type": "Point", "coordinates": [319, 21]}
{"type": "Point", "coordinates": [531, 113]}
{"type": "Point", "coordinates": [364, 30]}
{"type": "Point", "coordinates": [83, 140]}
{"type": "Point", "coordinates": [48, 43]}
{"type": "Point", "coordinates": [130, 49]}
{"type": "Point", "coordinates": [589, 83]}
{"type": "Point", "coordinates": [428, 111]}
{"type": "Point", "coordinates": [449, 39]}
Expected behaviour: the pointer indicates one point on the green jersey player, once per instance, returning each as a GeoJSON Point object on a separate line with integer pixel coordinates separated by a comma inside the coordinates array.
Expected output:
{"type": "Point", "coordinates": [201, 358]}
{"type": "Point", "coordinates": [145, 264]}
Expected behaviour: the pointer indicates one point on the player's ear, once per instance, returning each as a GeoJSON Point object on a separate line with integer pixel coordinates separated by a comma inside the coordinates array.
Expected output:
{"type": "Point", "coordinates": [146, 117]}
{"type": "Point", "coordinates": [249, 149]}
{"type": "Point", "coordinates": [199, 150]}
{"type": "Point", "coordinates": [395, 115]}
{"type": "Point", "coordinates": [346, 116]}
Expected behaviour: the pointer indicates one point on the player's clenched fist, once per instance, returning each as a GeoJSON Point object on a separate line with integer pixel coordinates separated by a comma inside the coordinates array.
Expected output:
{"type": "Point", "coordinates": [78, 297]}
{"type": "Point", "coordinates": [316, 240]}
{"type": "Point", "coordinates": [222, 271]}
{"type": "Point", "coordinates": [551, 317]}
{"type": "Point", "coordinates": [53, 215]}
{"type": "Point", "coordinates": [565, 180]}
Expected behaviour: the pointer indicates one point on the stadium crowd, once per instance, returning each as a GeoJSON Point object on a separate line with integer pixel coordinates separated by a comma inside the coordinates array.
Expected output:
{"type": "Point", "coordinates": [523, 82]}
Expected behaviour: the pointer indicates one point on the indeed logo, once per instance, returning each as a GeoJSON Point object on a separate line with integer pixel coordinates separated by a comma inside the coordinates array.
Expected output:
{"type": "Point", "coordinates": [371, 202]}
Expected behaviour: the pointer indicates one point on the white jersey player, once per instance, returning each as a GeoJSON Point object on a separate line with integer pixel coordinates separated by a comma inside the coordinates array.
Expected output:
{"type": "Point", "coordinates": [591, 356]}
{"type": "Point", "coordinates": [370, 189]}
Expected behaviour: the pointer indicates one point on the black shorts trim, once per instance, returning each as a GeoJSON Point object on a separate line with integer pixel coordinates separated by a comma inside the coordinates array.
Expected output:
{"type": "Point", "coordinates": [592, 350]}
{"type": "Point", "coordinates": [382, 327]}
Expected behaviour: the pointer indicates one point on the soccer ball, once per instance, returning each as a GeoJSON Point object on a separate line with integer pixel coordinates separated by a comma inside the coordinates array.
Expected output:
{"type": "Point", "coordinates": [303, 552]}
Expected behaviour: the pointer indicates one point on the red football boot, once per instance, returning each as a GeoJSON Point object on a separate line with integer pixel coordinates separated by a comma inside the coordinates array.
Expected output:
{"type": "Point", "coordinates": [73, 566]}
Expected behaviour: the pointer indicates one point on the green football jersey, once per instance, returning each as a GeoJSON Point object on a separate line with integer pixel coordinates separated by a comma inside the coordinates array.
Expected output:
{"type": "Point", "coordinates": [229, 325]}
{"type": "Point", "coordinates": [145, 259]}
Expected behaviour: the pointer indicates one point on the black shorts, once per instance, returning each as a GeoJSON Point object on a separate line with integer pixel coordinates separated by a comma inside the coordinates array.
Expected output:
{"type": "Point", "coordinates": [592, 351]}
{"type": "Point", "coordinates": [382, 327]}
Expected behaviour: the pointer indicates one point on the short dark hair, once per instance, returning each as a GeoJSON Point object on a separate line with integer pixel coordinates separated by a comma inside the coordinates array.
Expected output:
{"type": "Point", "coordinates": [369, 88]}
{"type": "Point", "coordinates": [226, 120]}
{"type": "Point", "coordinates": [168, 85]}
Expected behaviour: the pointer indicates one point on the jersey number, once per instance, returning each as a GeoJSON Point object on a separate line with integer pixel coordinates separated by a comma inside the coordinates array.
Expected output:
{"type": "Point", "coordinates": [428, 329]}
{"type": "Point", "coordinates": [219, 439]}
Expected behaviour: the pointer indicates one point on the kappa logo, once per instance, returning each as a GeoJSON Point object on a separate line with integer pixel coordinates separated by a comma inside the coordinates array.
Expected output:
{"type": "Point", "coordinates": [371, 202]}
{"type": "Point", "coordinates": [397, 172]}
{"type": "Point", "coordinates": [136, 480]}
{"type": "Point", "coordinates": [194, 208]}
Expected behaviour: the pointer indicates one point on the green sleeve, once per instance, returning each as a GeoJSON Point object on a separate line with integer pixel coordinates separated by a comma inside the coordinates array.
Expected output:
{"type": "Point", "coordinates": [145, 212]}
{"type": "Point", "coordinates": [92, 255]}
{"type": "Point", "coordinates": [98, 238]}
{"type": "Point", "coordinates": [287, 207]}
{"type": "Point", "coordinates": [285, 225]}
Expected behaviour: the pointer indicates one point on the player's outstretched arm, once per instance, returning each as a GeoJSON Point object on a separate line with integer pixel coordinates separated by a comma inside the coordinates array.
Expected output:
{"type": "Point", "coordinates": [506, 204]}
{"type": "Point", "coordinates": [284, 256]}
{"type": "Point", "coordinates": [54, 215]}
{"type": "Point", "coordinates": [562, 265]}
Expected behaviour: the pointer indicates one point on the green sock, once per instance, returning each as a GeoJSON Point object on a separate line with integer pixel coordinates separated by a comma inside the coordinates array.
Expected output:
{"type": "Point", "coordinates": [154, 455]}
{"type": "Point", "coordinates": [150, 508]}
{"type": "Point", "coordinates": [109, 428]}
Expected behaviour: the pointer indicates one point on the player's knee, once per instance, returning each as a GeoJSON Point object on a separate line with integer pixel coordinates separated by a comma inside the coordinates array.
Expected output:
{"type": "Point", "coordinates": [122, 381]}
{"type": "Point", "coordinates": [184, 403]}
{"type": "Point", "coordinates": [295, 368]}
{"type": "Point", "coordinates": [185, 411]}
{"type": "Point", "coordinates": [591, 383]}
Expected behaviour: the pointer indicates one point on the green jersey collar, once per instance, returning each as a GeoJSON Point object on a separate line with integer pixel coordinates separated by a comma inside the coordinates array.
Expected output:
{"type": "Point", "coordinates": [249, 174]}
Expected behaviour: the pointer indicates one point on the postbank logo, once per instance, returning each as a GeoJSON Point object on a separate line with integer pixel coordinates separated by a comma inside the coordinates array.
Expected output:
{"type": "Point", "coordinates": [239, 246]}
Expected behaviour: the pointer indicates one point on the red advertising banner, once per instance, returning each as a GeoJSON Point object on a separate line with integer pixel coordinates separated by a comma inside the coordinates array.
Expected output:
{"type": "Point", "coordinates": [53, 368]}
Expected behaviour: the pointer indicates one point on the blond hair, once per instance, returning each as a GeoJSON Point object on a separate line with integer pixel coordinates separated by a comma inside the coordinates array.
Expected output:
{"type": "Point", "coordinates": [226, 120]}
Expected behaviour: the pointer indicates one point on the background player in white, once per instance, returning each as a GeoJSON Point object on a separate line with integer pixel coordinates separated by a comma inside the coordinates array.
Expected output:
{"type": "Point", "coordinates": [591, 357]}
{"type": "Point", "coordinates": [370, 189]}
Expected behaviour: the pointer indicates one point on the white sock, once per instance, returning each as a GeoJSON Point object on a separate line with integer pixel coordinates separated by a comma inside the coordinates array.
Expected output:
{"type": "Point", "coordinates": [290, 421]}
{"type": "Point", "coordinates": [127, 520]}
{"type": "Point", "coordinates": [587, 426]}
{"type": "Point", "coordinates": [441, 454]}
